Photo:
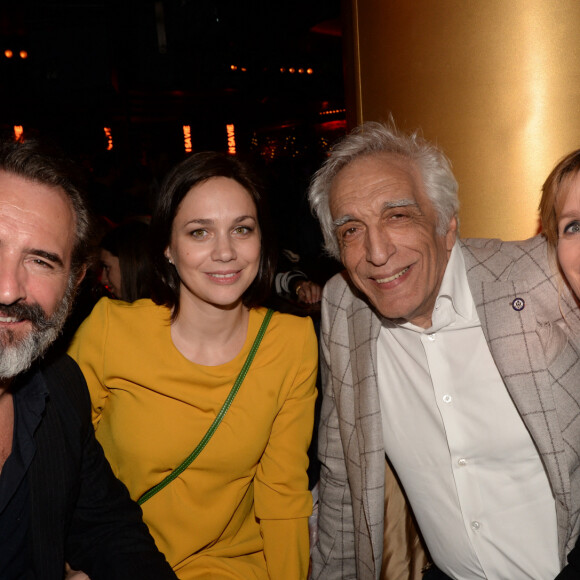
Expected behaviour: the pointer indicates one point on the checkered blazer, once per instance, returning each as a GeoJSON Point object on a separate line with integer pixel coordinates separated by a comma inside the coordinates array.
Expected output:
{"type": "Point", "coordinates": [536, 352]}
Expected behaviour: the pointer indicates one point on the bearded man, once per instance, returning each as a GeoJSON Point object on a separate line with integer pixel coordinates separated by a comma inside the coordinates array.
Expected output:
{"type": "Point", "coordinates": [59, 500]}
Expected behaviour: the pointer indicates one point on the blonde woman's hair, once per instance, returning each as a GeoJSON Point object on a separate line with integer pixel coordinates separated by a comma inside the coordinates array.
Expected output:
{"type": "Point", "coordinates": [554, 192]}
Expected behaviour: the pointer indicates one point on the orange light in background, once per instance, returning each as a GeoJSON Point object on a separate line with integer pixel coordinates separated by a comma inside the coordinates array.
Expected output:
{"type": "Point", "coordinates": [23, 54]}
{"type": "Point", "coordinates": [244, 69]}
{"type": "Point", "coordinates": [231, 130]}
{"type": "Point", "coordinates": [18, 131]}
{"type": "Point", "coordinates": [233, 67]}
{"type": "Point", "coordinates": [309, 71]}
{"type": "Point", "coordinates": [187, 138]}
{"type": "Point", "coordinates": [282, 69]}
{"type": "Point", "coordinates": [109, 136]}
{"type": "Point", "coordinates": [300, 71]}
{"type": "Point", "coordinates": [8, 53]}
{"type": "Point", "coordinates": [292, 70]}
{"type": "Point", "coordinates": [332, 112]}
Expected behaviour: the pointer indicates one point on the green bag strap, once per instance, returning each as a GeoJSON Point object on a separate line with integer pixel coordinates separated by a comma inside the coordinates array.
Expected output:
{"type": "Point", "coordinates": [213, 427]}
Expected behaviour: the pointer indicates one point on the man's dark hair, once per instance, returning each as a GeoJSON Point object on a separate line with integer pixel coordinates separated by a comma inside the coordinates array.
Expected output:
{"type": "Point", "coordinates": [43, 162]}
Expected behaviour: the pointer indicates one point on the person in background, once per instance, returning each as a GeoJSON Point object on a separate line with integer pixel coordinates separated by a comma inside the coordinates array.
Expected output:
{"type": "Point", "coordinates": [126, 267]}
{"type": "Point", "coordinates": [295, 285]}
{"type": "Point", "coordinates": [162, 371]}
{"type": "Point", "coordinates": [452, 359]}
{"type": "Point", "coordinates": [59, 500]}
{"type": "Point", "coordinates": [292, 283]}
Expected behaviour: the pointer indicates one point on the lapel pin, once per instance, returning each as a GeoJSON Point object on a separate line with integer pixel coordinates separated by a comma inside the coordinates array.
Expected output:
{"type": "Point", "coordinates": [518, 304]}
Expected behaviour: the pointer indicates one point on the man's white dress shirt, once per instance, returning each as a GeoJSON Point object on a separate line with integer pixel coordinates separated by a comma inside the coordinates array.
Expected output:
{"type": "Point", "coordinates": [467, 463]}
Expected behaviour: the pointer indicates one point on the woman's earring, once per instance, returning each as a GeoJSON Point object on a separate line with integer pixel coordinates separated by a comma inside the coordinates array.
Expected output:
{"type": "Point", "coordinates": [170, 261]}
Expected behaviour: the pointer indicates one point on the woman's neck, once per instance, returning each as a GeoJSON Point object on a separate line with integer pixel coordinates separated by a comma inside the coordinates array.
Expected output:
{"type": "Point", "coordinates": [210, 335]}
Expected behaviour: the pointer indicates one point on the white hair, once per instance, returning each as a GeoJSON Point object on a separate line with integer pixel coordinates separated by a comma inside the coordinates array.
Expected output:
{"type": "Point", "coordinates": [371, 139]}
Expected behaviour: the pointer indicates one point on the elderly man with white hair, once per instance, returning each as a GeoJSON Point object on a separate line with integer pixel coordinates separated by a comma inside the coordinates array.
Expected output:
{"type": "Point", "coordinates": [452, 358]}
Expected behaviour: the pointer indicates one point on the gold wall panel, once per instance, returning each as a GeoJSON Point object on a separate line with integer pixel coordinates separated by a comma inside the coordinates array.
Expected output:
{"type": "Point", "coordinates": [496, 83]}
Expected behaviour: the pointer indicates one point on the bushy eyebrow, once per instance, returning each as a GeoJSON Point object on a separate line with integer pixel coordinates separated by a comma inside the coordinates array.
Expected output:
{"type": "Point", "coordinates": [342, 220]}
{"type": "Point", "coordinates": [387, 205]}
{"type": "Point", "coordinates": [49, 256]}
{"type": "Point", "coordinates": [399, 203]}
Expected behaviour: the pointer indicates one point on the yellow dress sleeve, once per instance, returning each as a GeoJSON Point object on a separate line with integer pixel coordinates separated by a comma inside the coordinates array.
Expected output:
{"type": "Point", "coordinates": [282, 500]}
{"type": "Point", "coordinates": [286, 548]}
{"type": "Point", "coordinates": [87, 349]}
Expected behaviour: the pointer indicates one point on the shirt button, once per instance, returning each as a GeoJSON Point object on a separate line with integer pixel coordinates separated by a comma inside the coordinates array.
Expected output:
{"type": "Point", "coordinates": [447, 398]}
{"type": "Point", "coordinates": [475, 526]}
{"type": "Point", "coordinates": [462, 462]}
{"type": "Point", "coordinates": [431, 337]}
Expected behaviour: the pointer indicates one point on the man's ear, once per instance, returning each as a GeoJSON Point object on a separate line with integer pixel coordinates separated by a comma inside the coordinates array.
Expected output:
{"type": "Point", "coordinates": [451, 234]}
{"type": "Point", "coordinates": [81, 276]}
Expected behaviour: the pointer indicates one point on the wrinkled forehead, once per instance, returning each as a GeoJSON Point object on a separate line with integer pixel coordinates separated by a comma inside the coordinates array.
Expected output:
{"type": "Point", "coordinates": [43, 211]}
{"type": "Point", "coordinates": [26, 187]}
{"type": "Point", "coordinates": [387, 176]}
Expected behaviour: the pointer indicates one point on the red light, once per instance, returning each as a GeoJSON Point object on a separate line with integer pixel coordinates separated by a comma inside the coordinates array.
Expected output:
{"type": "Point", "coordinates": [339, 124]}
{"type": "Point", "coordinates": [292, 70]}
{"type": "Point", "coordinates": [309, 71]}
{"type": "Point", "coordinates": [8, 53]}
{"type": "Point", "coordinates": [23, 54]}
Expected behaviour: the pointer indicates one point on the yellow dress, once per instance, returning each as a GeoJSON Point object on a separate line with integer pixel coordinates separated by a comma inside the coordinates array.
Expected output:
{"type": "Point", "coordinates": [240, 510]}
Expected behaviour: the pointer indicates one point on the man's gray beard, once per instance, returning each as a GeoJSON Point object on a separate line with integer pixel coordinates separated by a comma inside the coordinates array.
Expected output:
{"type": "Point", "coordinates": [17, 357]}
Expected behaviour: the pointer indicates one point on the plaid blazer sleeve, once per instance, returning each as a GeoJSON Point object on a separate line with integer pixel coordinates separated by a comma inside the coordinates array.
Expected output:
{"type": "Point", "coordinates": [333, 557]}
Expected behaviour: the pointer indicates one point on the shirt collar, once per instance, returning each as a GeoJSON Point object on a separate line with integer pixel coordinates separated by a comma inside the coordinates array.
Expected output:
{"type": "Point", "coordinates": [30, 391]}
{"type": "Point", "coordinates": [454, 301]}
{"type": "Point", "coordinates": [455, 287]}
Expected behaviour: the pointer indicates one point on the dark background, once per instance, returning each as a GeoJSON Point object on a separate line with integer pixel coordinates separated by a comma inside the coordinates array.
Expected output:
{"type": "Point", "coordinates": [146, 68]}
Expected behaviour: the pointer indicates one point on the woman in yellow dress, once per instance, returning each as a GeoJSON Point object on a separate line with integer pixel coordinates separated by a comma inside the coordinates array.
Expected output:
{"type": "Point", "coordinates": [160, 370]}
